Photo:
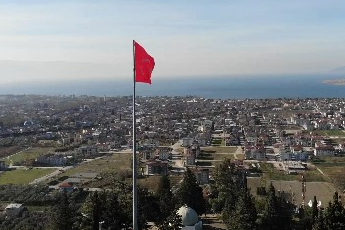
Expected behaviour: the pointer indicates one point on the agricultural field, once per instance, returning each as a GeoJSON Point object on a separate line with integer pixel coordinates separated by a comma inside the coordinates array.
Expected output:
{"type": "Point", "coordinates": [322, 190]}
{"type": "Point", "coordinates": [26, 155]}
{"type": "Point", "coordinates": [271, 173]}
{"type": "Point", "coordinates": [151, 182]}
{"type": "Point", "coordinates": [331, 133]}
{"type": "Point", "coordinates": [220, 149]}
{"type": "Point", "coordinates": [317, 184]}
{"type": "Point", "coordinates": [333, 168]}
{"type": "Point", "coordinates": [114, 163]}
{"type": "Point", "coordinates": [218, 154]}
{"type": "Point", "coordinates": [7, 151]}
{"type": "Point", "coordinates": [23, 176]}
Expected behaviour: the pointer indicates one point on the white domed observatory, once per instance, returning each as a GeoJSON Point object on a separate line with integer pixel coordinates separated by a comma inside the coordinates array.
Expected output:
{"type": "Point", "coordinates": [190, 219]}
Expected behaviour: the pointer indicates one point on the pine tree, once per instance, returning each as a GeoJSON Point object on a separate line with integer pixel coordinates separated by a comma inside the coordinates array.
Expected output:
{"type": "Point", "coordinates": [92, 211]}
{"type": "Point", "coordinates": [114, 216]}
{"type": "Point", "coordinates": [335, 214]}
{"type": "Point", "coordinates": [166, 198]}
{"type": "Point", "coordinates": [278, 212]}
{"type": "Point", "coordinates": [319, 223]}
{"type": "Point", "coordinates": [148, 207]}
{"type": "Point", "coordinates": [173, 222]}
{"type": "Point", "coordinates": [271, 212]}
{"type": "Point", "coordinates": [244, 216]}
{"type": "Point", "coordinates": [315, 210]}
{"type": "Point", "coordinates": [62, 215]}
{"type": "Point", "coordinates": [228, 184]}
{"type": "Point", "coordinates": [190, 193]}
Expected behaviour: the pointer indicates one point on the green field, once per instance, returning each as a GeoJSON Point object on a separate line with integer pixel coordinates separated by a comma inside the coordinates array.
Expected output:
{"type": "Point", "coordinates": [222, 157]}
{"type": "Point", "coordinates": [334, 168]}
{"type": "Point", "coordinates": [151, 182]}
{"type": "Point", "coordinates": [271, 173]}
{"type": "Point", "coordinates": [322, 190]}
{"type": "Point", "coordinates": [29, 154]}
{"type": "Point", "coordinates": [114, 163]}
{"type": "Point", "coordinates": [339, 133]}
{"type": "Point", "coordinates": [219, 149]}
{"type": "Point", "coordinates": [23, 176]}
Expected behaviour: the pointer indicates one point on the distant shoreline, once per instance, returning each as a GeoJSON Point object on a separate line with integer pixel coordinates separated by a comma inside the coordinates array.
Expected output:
{"type": "Point", "coordinates": [334, 82]}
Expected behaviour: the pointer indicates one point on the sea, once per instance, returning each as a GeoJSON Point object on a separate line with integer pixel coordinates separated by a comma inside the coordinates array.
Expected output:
{"type": "Point", "coordinates": [212, 87]}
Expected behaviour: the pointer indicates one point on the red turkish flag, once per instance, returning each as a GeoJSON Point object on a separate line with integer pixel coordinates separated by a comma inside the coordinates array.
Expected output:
{"type": "Point", "coordinates": [144, 64]}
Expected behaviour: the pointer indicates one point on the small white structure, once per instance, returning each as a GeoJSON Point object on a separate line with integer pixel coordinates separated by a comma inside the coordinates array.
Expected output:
{"type": "Point", "coordinates": [190, 219]}
{"type": "Point", "coordinates": [14, 209]}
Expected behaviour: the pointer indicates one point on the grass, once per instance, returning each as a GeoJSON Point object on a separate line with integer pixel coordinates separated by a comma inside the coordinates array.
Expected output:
{"type": "Point", "coordinates": [218, 153]}
{"type": "Point", "coordinates": [334, 168]}
{"type": "Point", "coordinates": [7, 151]}
{"type": "Point", "coordinates": [329, 161]}
{"type": "Point", "coordinates": [322, 190]}
{"type": "Point", "coordinates": [225, 149]}
{"type": "Point", "coordinates": [22, 176]}
{"type": "Point", "coordinates": [222, 157]}
{"type": "Point", "coordinates": [216, 142]}
{"type": "Point", "coordinates": [29, 154]}
{"type": "Point", "coordinates": [150, 182]}
{"type": "Point", "coordinates": [270, 173]}
{"type": "Point", "coordinates": [114, 163]}
{"type": "Point", "coordinates": [339, 133]}
{"type": "Point", "coordinates": [180, 150]}
{"type": "Point", "coordinates": [37, 208]}
{"type": "Point", "coordinates": [215, 155]}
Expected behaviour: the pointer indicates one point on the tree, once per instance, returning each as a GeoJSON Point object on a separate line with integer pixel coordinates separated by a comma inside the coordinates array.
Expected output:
{"type": "Point", "coordinates": [229, 182]}
{"type": "Point", "coordinates": [190, 193]}
{"type": "Point", "coordinates": [315, 210]}
{"type": "Point", "coordinates": [319, 223]}
{"type": "Point", "coordinates": [148, 207]}
{"type": "Point", "coordinates": [165, 198]}
{"type": "Point", "coordinates": [173, 222]}
{"type": "Point", "coordinates": [92, 212]}
{"type": "Point", "coordinates": [62, 214]}
{"type": "Point", "coordinates": [244, 216]}
{"type": "Point", "coordinates": [277, 214]}
{"type": "Point", "coordinates": [335, 214]}
{"type": "Point", "coordinates": [114, 216]}
{"type": "Point", "coordinates": [106, 207]}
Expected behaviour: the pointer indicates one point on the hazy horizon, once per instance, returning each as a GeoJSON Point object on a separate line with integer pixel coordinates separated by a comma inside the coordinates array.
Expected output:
{"type": "Point", "coordinates": [216, 87]}
{"type": "Point", "coordinates": [56, 71]}
{"type": "Point", "coordinates": [93, 39]}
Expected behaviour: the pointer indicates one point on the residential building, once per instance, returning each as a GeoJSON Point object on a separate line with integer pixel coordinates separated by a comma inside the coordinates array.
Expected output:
{"type": "Point", "coordinates": [202, 175]}
{"type": "Point", "coordinates": [14, 210]}
{"type": "Point", "coordinates": [156, 167]}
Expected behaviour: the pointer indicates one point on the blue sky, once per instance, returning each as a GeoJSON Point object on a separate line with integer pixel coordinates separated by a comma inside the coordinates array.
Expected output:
{"type": "Point", "coordinates": [194, 37]}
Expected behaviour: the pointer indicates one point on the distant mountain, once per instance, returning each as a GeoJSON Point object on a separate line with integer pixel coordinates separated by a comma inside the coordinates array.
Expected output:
{"type": "Point", "coordinates": [340, 69]}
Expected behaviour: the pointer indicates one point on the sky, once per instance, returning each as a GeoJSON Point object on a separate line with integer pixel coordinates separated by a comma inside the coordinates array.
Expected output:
{"type": "Point", "coordinates": [79, 39]}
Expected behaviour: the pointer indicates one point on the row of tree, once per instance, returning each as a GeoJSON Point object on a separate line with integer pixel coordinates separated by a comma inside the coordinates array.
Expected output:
{"type": "Point", "coordinates": [228, 195]}
{"type": "Point", "coordinates": [231, 197]}
{"type": "Point", "coordinates": [112, 209]}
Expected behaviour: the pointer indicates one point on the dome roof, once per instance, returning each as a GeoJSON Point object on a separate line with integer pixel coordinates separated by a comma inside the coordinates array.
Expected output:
{"type": "Point", "coordinates": [189, 216]}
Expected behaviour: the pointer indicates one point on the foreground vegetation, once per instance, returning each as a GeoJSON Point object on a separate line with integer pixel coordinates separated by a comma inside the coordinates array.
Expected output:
{"type": "Point", "coordinates": [228, 196]}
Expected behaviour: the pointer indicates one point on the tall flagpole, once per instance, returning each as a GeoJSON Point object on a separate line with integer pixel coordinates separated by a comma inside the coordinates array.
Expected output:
{"type": "Point", "coordinates": [135, 201]}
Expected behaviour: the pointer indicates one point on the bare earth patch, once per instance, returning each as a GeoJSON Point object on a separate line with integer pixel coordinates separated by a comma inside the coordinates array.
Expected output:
{"type": "Point", "coordinates": [322, 190]}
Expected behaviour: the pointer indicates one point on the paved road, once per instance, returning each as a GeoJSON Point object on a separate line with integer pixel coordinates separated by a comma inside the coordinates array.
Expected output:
{"type": "Point", "coordinates": [50, 175]}
{"type": "Point", "coordinates": [177, 157]}
{"type": "Point", "coordinates": [58, 170]}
